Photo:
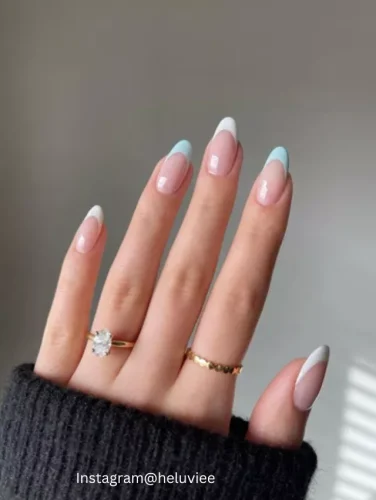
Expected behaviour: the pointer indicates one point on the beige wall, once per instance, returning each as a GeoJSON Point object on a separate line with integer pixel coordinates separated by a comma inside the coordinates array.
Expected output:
{"type": "Point", "coordinates": [92, 93]}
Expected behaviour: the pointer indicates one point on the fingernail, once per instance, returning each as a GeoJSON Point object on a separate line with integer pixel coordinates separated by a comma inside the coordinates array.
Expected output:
{"type": "Point", "coordinates": [310, 378]}
{"type": "Point", "coordinates": [90, 230]}
{"type": "Point", "coordinates": [223, 146]}
{"type": "Point", "coordinates": [272, 179]}
{"type": "Point", "coordinates": [174, 168]}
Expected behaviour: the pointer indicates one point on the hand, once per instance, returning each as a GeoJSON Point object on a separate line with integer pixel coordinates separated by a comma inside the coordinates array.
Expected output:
{"type": "Point", "coordinates": [160, 315]}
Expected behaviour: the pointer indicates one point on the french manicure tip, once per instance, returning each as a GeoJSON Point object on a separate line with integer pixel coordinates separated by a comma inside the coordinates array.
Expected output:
{"type": "Point", "coordinates": [184, 147]}
{"type": "Point", "coordinates": [228, 124]}
{"type": "Point", "coordinates": [96, 212]}
{"type": "Point", "coordinates": [319, 355]}
{"type": "Point", "coordinates": [281, 154]}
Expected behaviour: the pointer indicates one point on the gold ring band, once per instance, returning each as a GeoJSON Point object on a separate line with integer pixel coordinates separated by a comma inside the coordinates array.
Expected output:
{"type": "Point", "coordinates": [212, 365]}
{"type": "Point", "coordinates": [115, 343]}
{"type": "Point", "coordinates": [102, 342]}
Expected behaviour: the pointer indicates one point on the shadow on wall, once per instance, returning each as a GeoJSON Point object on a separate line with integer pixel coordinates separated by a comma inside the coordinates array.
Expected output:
{"type": "Point", "coordinates": [356, 471]}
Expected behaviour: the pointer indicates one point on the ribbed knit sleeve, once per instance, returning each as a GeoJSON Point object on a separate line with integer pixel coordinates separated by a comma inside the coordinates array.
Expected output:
{"type": "Point", "coordinates": [51, 436]}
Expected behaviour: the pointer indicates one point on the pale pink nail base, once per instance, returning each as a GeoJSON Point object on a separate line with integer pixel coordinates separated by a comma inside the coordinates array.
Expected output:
{"type": "Point", "coordinates": [89, 230]}
{"type": "Point", "coordinates": [222, 148]}
{"type": "Point", "coordinates": [172, 173]}
{"type": "Point", "coordinates": [222, 153]}
{"type": "Point", "coordinates": [308, 389]}
{"type": "Point", "coordinates": [271, 183]}
{"type": "Point", "coordinates": [311, 378]}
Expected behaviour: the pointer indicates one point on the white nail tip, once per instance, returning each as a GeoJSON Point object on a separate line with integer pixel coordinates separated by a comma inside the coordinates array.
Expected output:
{"type": "Point", "coordinates": [228, 124]}
{"type": "Point", "coordinates": [96, 212]}
{"type": "Point", "coordinates": [319, 355]}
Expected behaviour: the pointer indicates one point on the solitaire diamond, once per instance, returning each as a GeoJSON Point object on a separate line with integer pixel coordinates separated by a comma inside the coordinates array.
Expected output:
{"type": "Point", "coordinates": [102, 343]}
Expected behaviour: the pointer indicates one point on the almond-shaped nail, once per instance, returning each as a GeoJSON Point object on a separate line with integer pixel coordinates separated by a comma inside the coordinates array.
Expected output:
{"type": "Point", "coordinates": [89, 230]}
{"type": "Point", "coordinates": [272, 179]}
{"type": "Point", "coordinates": [174, 168]}
{"type": "Point", "coordinates": [310, 378]}
{"type": "Point", "coordinates": [222, 148]}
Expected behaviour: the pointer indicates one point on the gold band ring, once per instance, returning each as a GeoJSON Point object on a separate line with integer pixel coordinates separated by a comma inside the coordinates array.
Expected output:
{"type": "Point", "coordinates": [102, 343]}
{"type": "Point", "coordinates": [211, 365]}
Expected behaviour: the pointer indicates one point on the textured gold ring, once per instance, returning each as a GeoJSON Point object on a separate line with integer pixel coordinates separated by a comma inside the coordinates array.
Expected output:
{"type": "Point", "coordinates": [102, 343]}
{"type": "Point", "coordinates": [212, 365]}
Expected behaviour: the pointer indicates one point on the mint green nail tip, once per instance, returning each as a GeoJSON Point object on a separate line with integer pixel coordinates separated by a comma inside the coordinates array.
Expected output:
{"type": "Point", "coordinates": [280, 154]}
{"type": "Point", "coordinates": [183, 147]}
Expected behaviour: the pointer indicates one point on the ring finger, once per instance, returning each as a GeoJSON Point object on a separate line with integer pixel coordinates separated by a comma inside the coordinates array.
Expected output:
{"type": "Point", "coordinates": [238, 296]}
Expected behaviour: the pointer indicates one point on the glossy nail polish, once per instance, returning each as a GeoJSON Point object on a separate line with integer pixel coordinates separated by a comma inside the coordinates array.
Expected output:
{"type": "Point", "coordinates": [174, 168]}
{"type": "Point", "coordinates": [222, 148]}
{"type": "Point", "coordinates": [310, 378]}
{"type": "Point", "coordinates": [272, 179]}
{"type": "Point", "coordinates": [89, 230]}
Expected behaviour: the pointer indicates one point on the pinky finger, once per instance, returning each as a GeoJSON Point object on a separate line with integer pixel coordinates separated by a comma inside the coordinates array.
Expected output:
{"type": "Point", "coordinates": [64, 337]}
{"type": "Point", "coordinates": [281, 414]}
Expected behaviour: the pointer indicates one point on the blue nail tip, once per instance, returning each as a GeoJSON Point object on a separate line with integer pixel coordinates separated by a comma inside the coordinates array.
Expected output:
{"type": "Point", "coordinates": [280, 153]}
{"type": "Point", "coordinates": [183, 147]}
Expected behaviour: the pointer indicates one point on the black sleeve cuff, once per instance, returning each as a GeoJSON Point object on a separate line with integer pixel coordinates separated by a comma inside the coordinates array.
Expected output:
{"type": "Point", "coordinates": [49, 435]}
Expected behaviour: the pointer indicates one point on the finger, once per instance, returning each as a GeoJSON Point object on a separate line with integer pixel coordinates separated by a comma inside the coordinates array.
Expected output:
{"type": "Point", "coordinates": [191, 263]}
{"type": "Point", "coordinates": [280, 415]}
{"type": "Point", "coordinates": [64, 337]}
{"type": "Point", "coordinates": [238, 296]}
{"type": "Point", "coordinates": [130, 282]}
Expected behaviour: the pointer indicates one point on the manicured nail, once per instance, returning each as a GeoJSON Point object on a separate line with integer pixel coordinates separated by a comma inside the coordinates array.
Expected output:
{"type": "Point", "coordinates": [90, 230]}
{"type": "Point", "coordinates": [272, 179]}
{"type": "Point", "coordinates": [223, 146]}
{"type": "Point", "coordinates": [310, 378]}
{"type": "Point", "coordinates": [174, 168]}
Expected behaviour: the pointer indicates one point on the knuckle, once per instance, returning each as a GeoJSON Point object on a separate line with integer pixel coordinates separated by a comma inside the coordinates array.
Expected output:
{"type": "Point", "coordinates": [185, 283]}
{"type": "Point", "coordinates": [244, 301]}
{"type": "Point", "coordinates": [70, 277]}
{"type": "Point", "coordinates": [145, 216]}
{"type": "Point", "coordinates": [58, 337]}
{"type": "Point", "coordinates": [257, 299]}
{"type": "Point", "coordinates": [268, 235]}
{"type": "Point", "coordinates": [152, 217]}
{"type": "Point", "coordinates": [211, 209]}
{"type": "Point", "coordinates": [127, 293]}
{"type": "Point", "coordinates": [208, 206]}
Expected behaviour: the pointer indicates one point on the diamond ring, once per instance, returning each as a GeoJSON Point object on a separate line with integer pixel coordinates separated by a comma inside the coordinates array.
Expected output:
{"type": "Point", "coordinates": [102, 343]}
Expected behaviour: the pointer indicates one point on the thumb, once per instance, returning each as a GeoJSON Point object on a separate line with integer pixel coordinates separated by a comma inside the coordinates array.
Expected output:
{"type": "Point", "coordinates": [280, 415]}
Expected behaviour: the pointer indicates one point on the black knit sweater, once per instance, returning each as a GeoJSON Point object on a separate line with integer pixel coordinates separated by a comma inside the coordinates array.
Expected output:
{"type": "Point", "coordinates": [51, 436]}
